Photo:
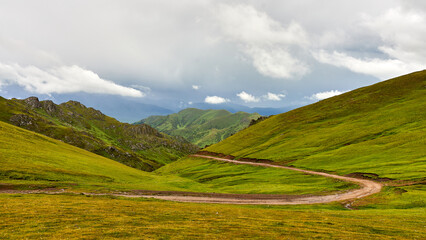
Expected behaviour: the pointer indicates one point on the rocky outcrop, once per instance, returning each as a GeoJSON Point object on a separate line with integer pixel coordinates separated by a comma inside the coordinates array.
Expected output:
{"type": "Point", "coordinates": [22, 120]}
{"type": "Point", "coordinates": [96, 114]}
{"type": "Point", "coordinates": [142, 129]}
{"type": "Point", "coordinates": [33, 102]}
{"type": "Point", "coordinates": [49, 106]}
{"type": "Point", "coordinates": [74, 103]}
{"type": "Point", "coordinates": [255, 121]}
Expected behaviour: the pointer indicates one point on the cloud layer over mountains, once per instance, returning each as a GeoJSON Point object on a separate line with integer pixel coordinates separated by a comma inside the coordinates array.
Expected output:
{"type": "Point", "coordinates": [256, 53]}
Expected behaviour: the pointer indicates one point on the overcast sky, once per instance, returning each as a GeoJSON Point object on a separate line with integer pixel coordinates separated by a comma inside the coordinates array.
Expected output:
{"type": "Point", "coordinates": [177, 53]}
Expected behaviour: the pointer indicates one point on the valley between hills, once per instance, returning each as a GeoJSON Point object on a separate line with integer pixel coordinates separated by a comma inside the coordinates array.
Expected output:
{"type": "Point", "coordinates": [202, 127]}
{"type": "Point", "coordinates": [350, 167]}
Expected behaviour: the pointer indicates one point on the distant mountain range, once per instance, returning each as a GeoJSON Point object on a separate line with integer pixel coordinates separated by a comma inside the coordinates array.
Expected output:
{"type": "Point", "coordinates": [201, 127]}
{"type": "Point", "coordinates": [233, 108]}
{"type": "Point", "coordinates": [130, 110]}
{"type": "Point", "coordinates": [138, 146]}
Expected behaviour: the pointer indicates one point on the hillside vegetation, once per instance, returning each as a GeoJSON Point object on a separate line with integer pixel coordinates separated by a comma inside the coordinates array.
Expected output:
{"type": "Point", "coordinates": [138, 146]}
{"type": "Point", "coordinates": [31, 159]}
{"type": "Point", "coordinates": [231, 178]}
{"type": "Point", "coordinates": [82, 217]}
{"type": "Point", "coordinates": [201, 127]}
{"type": "Point", "coordinates": [377, 131]}
{"type": "Point", "coordinates": [34, 160]}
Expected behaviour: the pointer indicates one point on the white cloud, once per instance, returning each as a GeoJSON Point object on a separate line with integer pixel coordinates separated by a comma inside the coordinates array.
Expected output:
{"type": "Point", "coordinates": [215, 100]}
{"type": "Point", "coordinates": [402, 35]}
{"type": "Point", "coordinates": [264, 40]}
{"type": "Point", "coordinates": [246, 97]}
{"type": "Point", "coordinates": [380, 68]}
{"type": "Point", "coordinates": [274, 97]}
{"type": "Point", "coordinates": [64, 79]}
{"type": "Point", "coordinates": [275, 62]}
{"type": "Point", "coordinates": [195, 87]}
{"type": "Point", "coordinates": [324, 95]}
{"type": "Point", "coordinates": [246, 24]}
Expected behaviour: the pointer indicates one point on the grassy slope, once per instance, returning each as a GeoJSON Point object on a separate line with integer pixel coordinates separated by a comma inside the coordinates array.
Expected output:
{"type": "Point", "coordinates": [138, 146]}
{"type": "Point", "coordinates": [379, 129]}
{"type": "Point", "coordinates": [231, 178]}
{"type": "Point", "coordinates": [29, 158]}
{"type": "Point", "coordinates": [77, 217]}
{"type": "Point", "coordinates": [201, 127]}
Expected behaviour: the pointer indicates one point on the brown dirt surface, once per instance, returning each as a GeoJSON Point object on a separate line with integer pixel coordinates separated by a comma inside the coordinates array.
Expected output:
{"type": "Point", "coordinates": [367, 187]}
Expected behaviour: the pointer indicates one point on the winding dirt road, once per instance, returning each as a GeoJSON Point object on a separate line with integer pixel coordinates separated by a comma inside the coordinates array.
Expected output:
{"type": "Point", "coordinates": [368, 187]}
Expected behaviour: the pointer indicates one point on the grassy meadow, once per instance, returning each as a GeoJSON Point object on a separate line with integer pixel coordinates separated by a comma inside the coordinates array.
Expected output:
{"type": "Point", "coordinates": [234, 178]}
{"type": "Point", "coordinates": [77, 217]}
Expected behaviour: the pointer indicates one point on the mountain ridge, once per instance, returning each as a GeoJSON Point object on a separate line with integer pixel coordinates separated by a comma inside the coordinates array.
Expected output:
{"type": "Point", "coordinates": [201, 127]}
{"type": "Point", "coordinates": [139, 146]}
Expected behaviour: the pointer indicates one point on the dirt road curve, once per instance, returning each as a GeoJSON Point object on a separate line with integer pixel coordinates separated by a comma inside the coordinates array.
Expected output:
{"type": "Point", "coordinates": [368, 187]}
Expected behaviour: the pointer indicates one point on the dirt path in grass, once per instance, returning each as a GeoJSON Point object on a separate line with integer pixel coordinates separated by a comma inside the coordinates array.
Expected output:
{"type": "Point", "coordinates": [368, 187]}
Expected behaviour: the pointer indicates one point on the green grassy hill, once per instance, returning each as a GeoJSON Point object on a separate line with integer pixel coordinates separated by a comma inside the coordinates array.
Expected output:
{"type": "Point", "coordinates": [201, 127]}
{"type": "Point", "coordinates": [31, 159]}
{"type": "Point", "coordinates": [138, 146]}
{"type": "Point", "coordinates": [377, 131]}
{"type": "Point", "coordinates": [28, 159]}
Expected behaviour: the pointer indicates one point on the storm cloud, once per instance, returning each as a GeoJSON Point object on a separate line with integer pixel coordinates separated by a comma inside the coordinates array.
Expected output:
{"type": "Point", "coordinates": [243, 52]}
